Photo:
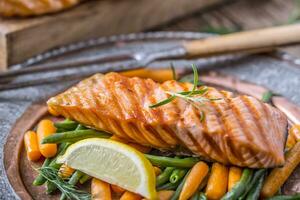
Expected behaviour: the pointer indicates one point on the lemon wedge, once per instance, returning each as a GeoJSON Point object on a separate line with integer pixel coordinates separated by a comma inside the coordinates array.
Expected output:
{"type": "Point", "coordinates": [114, 163]}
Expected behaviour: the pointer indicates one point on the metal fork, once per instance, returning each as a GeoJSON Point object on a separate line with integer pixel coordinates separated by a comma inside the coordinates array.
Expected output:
{"type": "Point", "coordinates": [249, 41]}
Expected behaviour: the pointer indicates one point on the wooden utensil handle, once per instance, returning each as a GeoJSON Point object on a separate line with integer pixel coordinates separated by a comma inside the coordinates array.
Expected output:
{"type": "Point", "coordinates": [247, 40]}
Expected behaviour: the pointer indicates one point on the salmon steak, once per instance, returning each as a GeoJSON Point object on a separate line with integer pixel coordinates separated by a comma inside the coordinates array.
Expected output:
{"type": "Point", "coordinates": [232, 129]}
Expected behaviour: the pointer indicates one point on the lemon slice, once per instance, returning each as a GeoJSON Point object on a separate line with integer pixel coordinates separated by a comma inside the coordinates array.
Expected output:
{"type": "Point", "coordinates": [114, 163]}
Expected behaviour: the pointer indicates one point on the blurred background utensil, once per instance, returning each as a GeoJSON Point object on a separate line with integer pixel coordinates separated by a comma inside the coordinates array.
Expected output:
{"type": "Point", "coordinates": [248, 42]}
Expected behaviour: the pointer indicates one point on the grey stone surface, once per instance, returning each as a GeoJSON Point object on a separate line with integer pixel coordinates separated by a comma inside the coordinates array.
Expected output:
{"type": "Point", "coordinates": [280, 76]}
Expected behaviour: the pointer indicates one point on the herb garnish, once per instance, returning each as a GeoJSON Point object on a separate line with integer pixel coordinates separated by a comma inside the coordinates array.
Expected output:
{"type": "Point", "coordinates": [173, 72]}
{"type": "Point", "coordinates": [195, 96]}
{"type": "Point", "coordinates": [70, 191]}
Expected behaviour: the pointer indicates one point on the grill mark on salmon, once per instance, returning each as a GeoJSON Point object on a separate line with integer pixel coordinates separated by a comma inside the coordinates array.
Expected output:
{"type": "Point", "coordinates": [238, 130]}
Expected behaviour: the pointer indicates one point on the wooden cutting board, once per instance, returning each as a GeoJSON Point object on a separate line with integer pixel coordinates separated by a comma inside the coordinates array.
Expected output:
{"type": "Point", "coordinates": [23, 38]}
{"type": "Point", "coordinates": [21, 172]}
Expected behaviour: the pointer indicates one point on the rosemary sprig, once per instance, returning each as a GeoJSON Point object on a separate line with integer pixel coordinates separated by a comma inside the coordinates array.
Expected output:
{"type": "Point", "coordinates": [194, 96]}
{"type": "Point", "coordinates": [70, 191]}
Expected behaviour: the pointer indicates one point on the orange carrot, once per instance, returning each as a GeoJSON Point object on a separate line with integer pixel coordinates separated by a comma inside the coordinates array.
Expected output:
{"type": "Point", "coordinates": [100, 190]}
{"type": "Point", "coordinates": [165, 194]}
{"type": "Point", "coordinates": [65, 171]}
{"type": "Point", "coordinates": [234, 176]}
{"type": "Point", "coordinates": [44, 129]}
{"type": "Point", "coordinates": [117, 189]}
{"type": "Point", "coordinates": [141, 148]}
{"type": "Point", "coordinates": [291, 141]}
{"type": "Point", "coordinates": [194, 179]}
{"type": "Point", "coordinates": [295, 131]}
{"type": "Point", "coordinates": [217, 181]}
{"type": "Point", "coordinates": [278, 176]}
{"type": "Point", "coordinates": [31, 146]}
{"type": "Point", "coordinates": [159, 75]}
{"type": "Point", "coordinates": [130, 196]}
{"type": "Point", "coordinates": [157, 170]}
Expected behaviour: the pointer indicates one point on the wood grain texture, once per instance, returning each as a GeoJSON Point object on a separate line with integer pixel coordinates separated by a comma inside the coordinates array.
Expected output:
{"type": "Point", "coordinates": [21, 172]}
{"type": "Point", "coordinates": [30, 36]}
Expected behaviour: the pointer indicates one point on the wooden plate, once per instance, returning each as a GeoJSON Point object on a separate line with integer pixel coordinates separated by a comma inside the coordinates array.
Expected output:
{"type": "Point", "coordinates": [21, 172]}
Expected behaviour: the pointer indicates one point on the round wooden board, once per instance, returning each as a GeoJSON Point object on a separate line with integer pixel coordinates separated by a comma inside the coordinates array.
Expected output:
{"type": "Point", "coordinates": [21, 172]}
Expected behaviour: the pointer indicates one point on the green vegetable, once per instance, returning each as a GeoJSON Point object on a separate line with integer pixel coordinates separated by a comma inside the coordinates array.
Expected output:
{"type": "Point", "coordinates": [67, 124]}
{"type": "Point", "coordinates": [168, 186]}
{"type": "Point", "coordinates": [267, 97]}
{"type": "Point", "coordinates": [176, 195]}
{"type": "Point", "coordinates": [259, 173]}
{"type": "Point", "coordinates": [177, 175]}
{"type": "Point", "coordinates": [202, 196]}
{"type": "Point", "coordinates": [172, 162]}
{"type": "Point", "coordinates": [40, 180]}
{"type": "Point", "coordinates": [240, 187]}
{"type": "Point", "coordinates": [285, 197]}
{"type": "Point", "coordinates": [164, 176]}
{"type": "Point", "coordinates": [81, 127]}
{"type": "Point", "coordinates": [73, 181]}
{"type": "Point", "coordinates": [255, 191]}
{"type": "Point", "coordinates": [173, 72]}
{"type": "Point", "coordinates": [68, 190]}
{"type": "Point", "coordinates": [74, 136]}
{"type": "Point", "coordinates": [84, 178]}
{"type": "Point", "coordinates": [50, 187]}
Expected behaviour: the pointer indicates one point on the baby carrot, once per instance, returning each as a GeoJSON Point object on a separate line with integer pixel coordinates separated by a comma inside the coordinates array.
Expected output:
{"type": "Point", "coordinates": [234, 176]}
{"type": "Point", "coordinates": [31, 146]}
{"type": "Point", "coordinates": [130, 196]}
{"type": "Point", "coordinates": [100, 190]}
{"type": "Point", "coordinates": [44, 129]}
{"type": "Point", "coordinates": [157, 170]}
{"type": "Point", "coordinates": [117, 189]}
{"type": "Point", "coordinates": [278, 176]}
{"type": "Point", "coordinates": [65, 171]}
{"type": "Point", "coordinates": [295, 131]}
{"type": "Point", "coordinates": [217, 182]}
{"type": "Point", "coordinates": [165, 194]}
{"type": "Point", "coordinates": [193, 180]}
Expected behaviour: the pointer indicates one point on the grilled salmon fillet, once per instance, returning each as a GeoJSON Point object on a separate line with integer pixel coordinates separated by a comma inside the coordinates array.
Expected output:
{"type": "Point", "coordinates": [238, 130]}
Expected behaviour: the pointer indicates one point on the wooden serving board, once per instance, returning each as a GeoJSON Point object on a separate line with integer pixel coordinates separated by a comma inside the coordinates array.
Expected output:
{"type": "Point", "coordinates": [22, 38]}
{"type": "Point", "coordinates": [21, 172]}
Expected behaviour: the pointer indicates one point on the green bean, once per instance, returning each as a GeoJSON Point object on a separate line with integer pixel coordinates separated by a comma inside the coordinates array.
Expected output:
{"type": "Point", "coordinates": [67, 124]}
{"type": "Point", "coordinates": [177, 175]}
{"type": "Point", "coordinates": [172, 162]}
{"type": "Point", "coordinates": [255, 191]}
{"type": "Point", "coordinates": [81, 127]}
{"type": "Point", "coordinates": [74, 136]}
{"type": "Point", "coordinates": [73, 181]}
{"type": "Point", "coordinates": [164, 176]}
{"type": "Point", "coordinates": [240, 187]}
{"type": "Point", "coordinates": [195, 196]}
{"type": "Point", "coordinates": [51, 187]}
{"type": "Point", "coordinates": [176, 195]}
{"type": "Point", "coordinates": [202, 196]}
{"type": "Point", "coordinates": [253, 182]}
{"type": "Point", "coordinates": [168, 186]}
{"type": "Point", "coordinates": [285, 197]}
{"type": "Point", "coordinates": [40, 180]}
{"type": "Point", "coordinates": [84, 178]}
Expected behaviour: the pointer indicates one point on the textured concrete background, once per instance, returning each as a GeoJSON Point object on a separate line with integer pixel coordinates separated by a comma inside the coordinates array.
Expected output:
{"type": "Point", "coordinates": [283, 77]}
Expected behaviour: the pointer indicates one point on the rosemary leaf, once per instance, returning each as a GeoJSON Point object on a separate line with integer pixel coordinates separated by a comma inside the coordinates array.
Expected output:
{"type": "Point", "coordinates": [202, 116]}
{"type": "Point", "coordinates": [196, 77]}
{"type": "Point", "coordinates": [163, 102]}
{"type": "Point", "coordinates": [70, 191]}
